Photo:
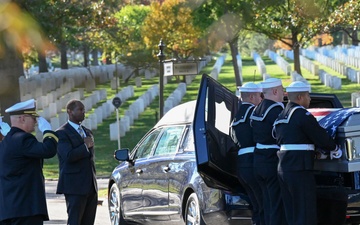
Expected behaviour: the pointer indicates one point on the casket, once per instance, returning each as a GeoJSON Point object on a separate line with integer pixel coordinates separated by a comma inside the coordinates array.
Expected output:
{"type": "Point", "coordinates": [344, 126]}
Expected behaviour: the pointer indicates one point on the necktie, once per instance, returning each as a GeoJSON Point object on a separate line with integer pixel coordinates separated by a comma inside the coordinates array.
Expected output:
{"type": "Point", "coordinates": [81, 132]}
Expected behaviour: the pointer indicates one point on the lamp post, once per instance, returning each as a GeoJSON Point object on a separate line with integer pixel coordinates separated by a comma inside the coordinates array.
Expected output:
{"type": "Point", "coordinates": [161, 57]}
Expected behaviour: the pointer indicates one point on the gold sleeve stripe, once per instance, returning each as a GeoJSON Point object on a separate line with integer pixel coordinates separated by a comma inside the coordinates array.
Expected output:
{"type": "Point", "coordinates": [51, 135]}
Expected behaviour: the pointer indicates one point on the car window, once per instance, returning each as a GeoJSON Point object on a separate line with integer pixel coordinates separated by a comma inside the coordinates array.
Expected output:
{"type": "Point", "coordinates": [188, 143]}
{"type": "Point", "coordinates": [169, 140]}
{"type": "Point", "coordinates": [144, 149]}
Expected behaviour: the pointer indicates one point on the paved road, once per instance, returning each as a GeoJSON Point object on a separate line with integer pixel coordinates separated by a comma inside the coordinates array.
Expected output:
{"type": "Point", "coordinates": [57, 208]}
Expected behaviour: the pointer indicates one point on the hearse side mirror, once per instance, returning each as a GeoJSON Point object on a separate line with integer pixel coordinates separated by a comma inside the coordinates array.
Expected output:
{"type": "Point", "coordinates": [122, 154]}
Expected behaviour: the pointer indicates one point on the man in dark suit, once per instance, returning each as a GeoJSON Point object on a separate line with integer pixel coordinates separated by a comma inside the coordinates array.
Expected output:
{"type": "Point", "coordinates": [22, 187]}
{"type": "Point", "coordinates": [77, 178]}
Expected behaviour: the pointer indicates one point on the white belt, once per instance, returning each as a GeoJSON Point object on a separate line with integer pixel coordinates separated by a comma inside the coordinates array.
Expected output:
{"type": "Point", "coordinates": [303, 147]}
{"type": "Point", "coordinates": [246, 150]}
{"type": "Point", "coordinates": [261, 146]}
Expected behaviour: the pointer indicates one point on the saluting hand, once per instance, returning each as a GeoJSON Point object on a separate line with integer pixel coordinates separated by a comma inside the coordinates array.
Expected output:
{"type": "Point", "coordinates": [89, 142]}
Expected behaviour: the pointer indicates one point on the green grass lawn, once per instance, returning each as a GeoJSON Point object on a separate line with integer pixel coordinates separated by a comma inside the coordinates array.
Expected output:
{"type": "Point", "coordinates": [104, 148]}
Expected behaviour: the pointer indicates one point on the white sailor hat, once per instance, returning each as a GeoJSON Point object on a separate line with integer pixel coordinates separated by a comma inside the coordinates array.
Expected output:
{"type": "Point", "coordinates": [26, 107]}
{"type": "Point", "coordinates": [271, 82]}
{"type": "Point", "coordinates": [250, 87]}
{"type": "Point", "coordinates": [298, 86]}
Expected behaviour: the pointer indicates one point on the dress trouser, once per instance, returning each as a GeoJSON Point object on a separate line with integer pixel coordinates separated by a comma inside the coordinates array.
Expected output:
{"type": "Point", "coordinates": [298, 189]}
{"type": "Point", "coordinates": [28, 220]}
{"type": "Point", "coordinates": [247, 179]}
{"type": "Point", "coordinates": [265, 168]}
{"type": "Point", "coordinates": [81, 209]}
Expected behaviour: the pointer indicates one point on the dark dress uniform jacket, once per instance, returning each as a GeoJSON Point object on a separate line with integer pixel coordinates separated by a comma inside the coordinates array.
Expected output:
{"type": "Point", "coordinates": [300, 127]}
{"type": "Point", "coordinates": [262, 121]}
{"type": "Point", "coordinates": [297, 129]}
{"type": "Point", "coordinates": [241, 133]}
{"type": "Point", "coordinates": [77, 165]}
{"type": "Point", "coordinates": [22, 187]}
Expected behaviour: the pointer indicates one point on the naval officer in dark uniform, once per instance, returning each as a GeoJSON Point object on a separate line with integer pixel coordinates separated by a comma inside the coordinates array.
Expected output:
{"type": "Point", "coordinates": [297, 133]}
{"type": "Point", "coordinates": [22, 187]}
{"type": "Point", "coordinates": [241, 134]}
{"type": "Point", "coordinates": [265, 157]}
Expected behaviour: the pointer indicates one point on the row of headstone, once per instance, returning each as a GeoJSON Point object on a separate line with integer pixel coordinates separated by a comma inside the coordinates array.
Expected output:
{"type": "Point", "coordinates": [132, 113]}
{"type": "Point", "coordinates": [94, 118]}
{"type": "Point", "coordinates": [306, 63]}
{"type": "Point", "coordinates": [62, 81]}
{"type": "Point", "coordinates": [59, 105]}
{"type": "Point", "coordinates": [217, 66]}
{"type": "Point", "coordinates": [175, 97]}
{"type": "Point", "coordinates": [330, 80]}
{"type": "Point", "coordinates": [280, 61]}
{"type": "Point", "coordinates": [352, 74]}
{"type": "Point", "coordinates": [354, 51]}
{"type": "Point", "coordinates": [204, 61]}
{"type": "Point", "coordinates": [347, 59]}
{"type": "Point", "coordinates": [259, 63]}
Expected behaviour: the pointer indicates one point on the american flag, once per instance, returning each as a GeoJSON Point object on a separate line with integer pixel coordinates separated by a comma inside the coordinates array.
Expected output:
{"type": "Point", "coordinates": [335, 118]}
{"type": "Point", "coordinates": [320, 113]}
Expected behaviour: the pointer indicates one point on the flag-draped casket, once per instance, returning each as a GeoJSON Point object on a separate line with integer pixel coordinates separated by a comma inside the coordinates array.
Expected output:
{"type": "Point", "coordinates": [344, 126]}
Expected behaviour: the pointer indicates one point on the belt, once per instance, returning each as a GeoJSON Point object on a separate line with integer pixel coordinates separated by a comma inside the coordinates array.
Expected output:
{"type": "Point", "coordinates": [301, 147]}
{"type": "Point", "coordinates": [243, 151]}
{"type": "Point", "coordinates": [261, 146]}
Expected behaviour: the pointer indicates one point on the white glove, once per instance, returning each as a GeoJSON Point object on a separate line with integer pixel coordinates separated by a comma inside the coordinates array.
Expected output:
{"type": "Point", "coordinates": [336, 154]}
{"type": "Point", "coordinates": [5, 128]}
{"type": "Point", "coordinates": [43, 124]}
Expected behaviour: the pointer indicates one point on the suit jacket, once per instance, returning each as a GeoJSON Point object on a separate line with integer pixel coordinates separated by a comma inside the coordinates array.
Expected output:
{"type": "Point", "coordinates": [77, 173]}
{"type": "Point", "coordinates": [22, 187]}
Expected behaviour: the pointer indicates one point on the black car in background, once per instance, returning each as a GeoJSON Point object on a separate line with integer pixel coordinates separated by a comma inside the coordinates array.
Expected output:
{"type": "Point", "coordinates": [158, 183]}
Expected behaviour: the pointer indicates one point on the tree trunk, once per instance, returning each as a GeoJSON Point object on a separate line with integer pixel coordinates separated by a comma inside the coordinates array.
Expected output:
{"type": "Point", "coordinates": [234, 52]}
{"type": "Point", "coordinates": [95, 58]}
{"type": "Point", "coordinates": [11, 68]}
{"type": "Point", "coordinates": [345, 38]}
{"type": "Point", "coordinates": [63, 53]}
{"type": "Point", "coordinates": [355, 39]}
{"type": "Point", "coordinates": [43, 68]}
{"type": "Point", "coordinates": [296, 48]}
{"type": "Point", "coordinates": [86, 55]}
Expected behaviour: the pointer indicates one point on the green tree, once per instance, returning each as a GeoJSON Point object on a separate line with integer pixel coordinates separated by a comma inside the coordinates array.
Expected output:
{"type": "Point", "coordinates": [294, 22]}
{"type": "Point", "coordinates": [221, 23]}
{"type": "Point", "coordinates": [250, 41]}
{"type": "Point", "coordinates": [73, 24]}
{"type": "Point", "coordinates": [346, 18]}
{"type": "Point", "coordinates": [172, 21]}
{"type": "Point", "coordinates": [129, 41]}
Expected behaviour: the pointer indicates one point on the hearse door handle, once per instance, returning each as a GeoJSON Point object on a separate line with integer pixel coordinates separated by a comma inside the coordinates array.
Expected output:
{"type": "Point", "coordinates": [139, 171]}
{"type": "Point", "coordinates": [166, 169]}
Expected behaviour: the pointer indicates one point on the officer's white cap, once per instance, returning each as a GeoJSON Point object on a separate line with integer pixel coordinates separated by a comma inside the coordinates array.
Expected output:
{"type": "Point", "coordinates": [298, 86]}
{"type": "Point", "coordinates": [26, 107]}
{"type": "Point", "coordinates": [271, 83]}
{"type": "Point", "coordinates": [250, 87]}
